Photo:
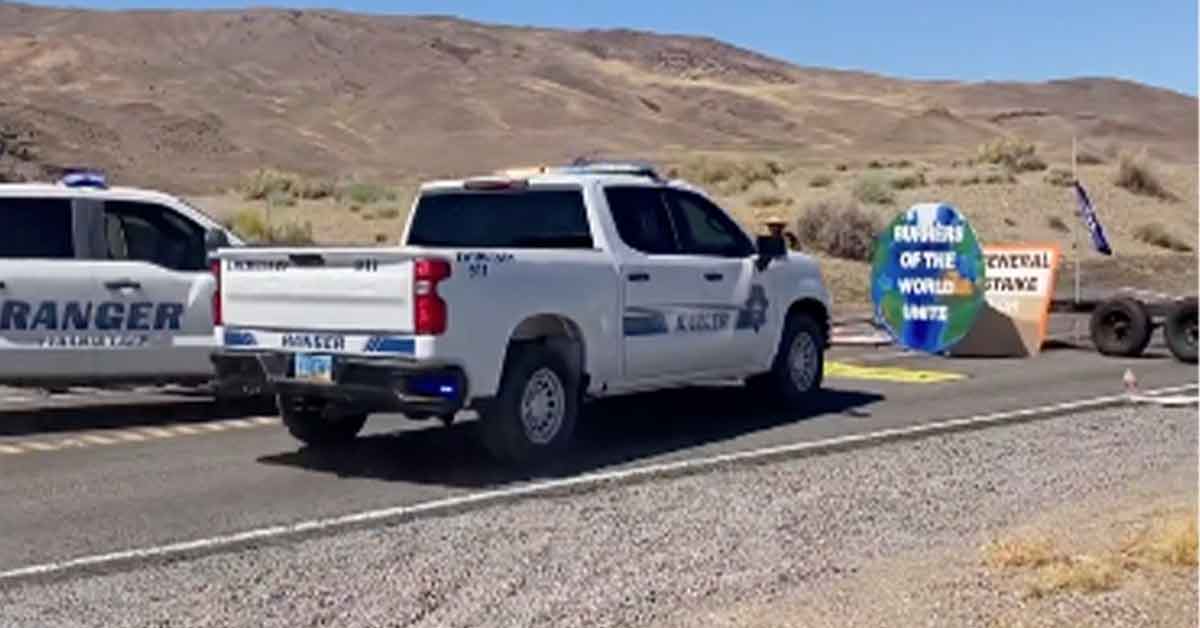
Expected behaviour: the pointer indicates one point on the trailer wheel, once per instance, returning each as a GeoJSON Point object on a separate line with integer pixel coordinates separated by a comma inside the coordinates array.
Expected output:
{"type": "Point", "coordinates": [1180, 330]}
{"type": "Point", "coordinates": [1121, 327]}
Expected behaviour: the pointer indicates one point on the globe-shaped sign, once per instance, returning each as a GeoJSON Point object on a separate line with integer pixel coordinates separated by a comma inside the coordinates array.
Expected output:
{"type": "Point", "coordinates": [927, 277]}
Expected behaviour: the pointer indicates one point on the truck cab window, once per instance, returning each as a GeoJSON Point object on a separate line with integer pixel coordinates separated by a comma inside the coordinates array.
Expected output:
{"type": "Point", "coordinates": [36, 228]}
{"type": "Point", "coordinates": [641, 219]}
{"type": "Point", "coordinates": [706, 230]}
{"type": "Point", "coordinates": [151, 233]}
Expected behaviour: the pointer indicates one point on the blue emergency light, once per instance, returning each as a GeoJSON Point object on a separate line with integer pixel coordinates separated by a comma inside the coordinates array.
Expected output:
{"type": "Point", "coordinates": [84, 178]}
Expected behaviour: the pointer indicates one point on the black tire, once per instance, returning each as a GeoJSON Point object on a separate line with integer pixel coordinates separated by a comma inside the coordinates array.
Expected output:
{"type": "Point", "coordinates": [317, 422]}
{"type": "Point", "coordinates": [778, 386]}
{"type": "Point", "coordinates": [503, 431]}
{"type": "Point", "coordinates": [1180, 330]}
{"type": "Point", "coordinates": [1121, 327]}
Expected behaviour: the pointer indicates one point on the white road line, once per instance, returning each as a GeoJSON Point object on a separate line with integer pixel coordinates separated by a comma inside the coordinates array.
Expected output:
{"type": "Point", "coordinates": [485, 498]}
{"type": "Point", "coordinates": [11, 449]}
{"type": "Point", "coordinates": [97, 439]}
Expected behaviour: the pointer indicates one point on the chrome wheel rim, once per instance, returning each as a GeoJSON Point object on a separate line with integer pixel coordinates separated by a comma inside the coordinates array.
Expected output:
{"type": "Point", "coordinates": [802, 361]}
{"type": "Point", "coordinates": [543, 406]}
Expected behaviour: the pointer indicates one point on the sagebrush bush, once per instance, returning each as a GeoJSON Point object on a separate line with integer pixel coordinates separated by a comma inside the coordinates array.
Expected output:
{"type": "Point", "coordinates": [1059, 177]}
{"type": "Point", "coordinates": [873, 189]}
{"type": "Point", "coordinates": [1155, 234]}
{"type": "Point", "coordinates": [263, 182]}
{"type": "Point", "coordinates": [251, 226]}
{"type": "Point", "coordinates": [842, 230]}
{"type": "Point", "coordinates": [1014, 153]}
{"type": "Point", "coordinates": [820, 181]}
{"type": "Point", "coordinates": [909, 181]}
{"type": "Point", "coordinates": [1137, 174]}
{"type": "Point", "coordinates": [365, 194]}
{"type": "Point", "coordinates": [1057, 224]}
{"type": "Point", "coordinates": [727, 175]}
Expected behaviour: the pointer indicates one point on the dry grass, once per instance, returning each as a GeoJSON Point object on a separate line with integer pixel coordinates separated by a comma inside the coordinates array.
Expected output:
{"type": "Point", "coordinates": [729, 176]}
{"type": "Point", "coordinates": [1156, 234]}
{"type": "Point", "coordinates": [269, 183]}
{"type": "Point", "coordinates": [253, 227]}
{"type": "Point", "coordinates": [1085, 575]}
{"type": "Point", "coordinates": [1018, 553]}
{"type": "Point", "coordinates": [1170, 541]}
{"type": "Point", "coordinates": [909, 181]}
{"type": "Point", "coordinates": [1138, 175]}
{"type": "Point", "coordinates": [1057, 224]}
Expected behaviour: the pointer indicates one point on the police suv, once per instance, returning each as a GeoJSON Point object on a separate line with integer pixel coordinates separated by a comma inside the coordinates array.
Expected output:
{"type": "Point", "coordinates": [520, 296]}
{"type": "Point", "coordinates": [104, 285]}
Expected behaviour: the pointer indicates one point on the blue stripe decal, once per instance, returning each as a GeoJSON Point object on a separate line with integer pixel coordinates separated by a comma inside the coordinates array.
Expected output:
{"type": "Point", "coordinates": [391, 344]}
{"type": "Point", "coordinates": [239, 338]}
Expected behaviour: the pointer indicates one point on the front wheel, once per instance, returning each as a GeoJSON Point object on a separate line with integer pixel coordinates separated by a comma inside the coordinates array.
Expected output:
{"type": "Point", "coordinates": [317, 422]}
{"type": "Point", "coordinates": [799, 367]}
{"type": "Point", "coordinates": [532, 419]}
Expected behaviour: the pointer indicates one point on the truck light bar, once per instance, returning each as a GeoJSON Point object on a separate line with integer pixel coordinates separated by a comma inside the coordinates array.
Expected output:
{"type": "Point", "coordinates": [84, 178]}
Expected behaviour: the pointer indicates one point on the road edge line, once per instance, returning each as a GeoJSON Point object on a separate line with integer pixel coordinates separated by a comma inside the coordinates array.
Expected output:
{"type": "Point", "coordinates": [116, 561]}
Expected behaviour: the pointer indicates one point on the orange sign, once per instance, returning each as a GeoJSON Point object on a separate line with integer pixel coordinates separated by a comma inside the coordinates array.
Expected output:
{"type": "Point", "coordinates": [1018, 289]}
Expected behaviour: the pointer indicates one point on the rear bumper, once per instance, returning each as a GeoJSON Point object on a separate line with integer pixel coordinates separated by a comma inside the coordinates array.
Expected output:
{"type": "Point", "coordinates": [365, 383]}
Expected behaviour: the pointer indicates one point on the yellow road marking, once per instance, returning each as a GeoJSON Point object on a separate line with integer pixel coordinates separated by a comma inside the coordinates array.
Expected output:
{"type": "Point", "coordinates": [843, 370]}
{"type": "Point", "coordinates": [133, 435]}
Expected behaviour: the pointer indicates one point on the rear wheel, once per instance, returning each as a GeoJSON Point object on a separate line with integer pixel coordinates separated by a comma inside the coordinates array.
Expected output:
{"type": "Point", "coordinates": [532, 419]}
{"type": "Point", "coordinates": [1120, 327]}
{"type": "Point", "coordinates": [1180, 330]}
{"type": "Point", "coordinates": [318, 422]}
{"type": "Point", "coordinates": [799, 367]}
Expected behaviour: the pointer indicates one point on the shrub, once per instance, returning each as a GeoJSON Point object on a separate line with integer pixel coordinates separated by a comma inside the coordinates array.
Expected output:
{"type": "Point", "coordinates": [263, 182]}
{"type": "Point", "coordinates": [314, 189]}
{"type": "Point", "coordinates": [909, 181]}
{"type": "Point", "coordinates": [945, 179]}
{"type": "Point", "coordinates": [769, 200]}
{"type": "Point", "coordinates": [1138, 175]}
{"type": "Point", "coordinates": [380, 238]}
{"type": "Point", "coordinates": [1057, 224]}
{"type": "Point", "coordinates": [1088, 158]}
{"type": "Point", "coordinates": [1155, 234]}
{"type": "Point", "coordinates": [365, 194]}
{"type": "Point", "coordinates": [820, 181]}
{"type": "Point", "coordinates": [875, 164]}
{"type": "Point", "coordinates": [252, 227]}
{"type": "Point", "coordinates": [389, 213]}
{"type": "Point", "coordinates": [728, 175]}
{"type": "Point", "coordinates": [842, 167]}
{"type": "Point", "coordinates": [1059, 177]}
{"type": "Point", "coordinates": [873, 189]}
{"type": "Point", "coordinates": [279, 198]}
{"type": "Point", "coordinates": [1015, 154]}
{"type": "Point", "coordinates": [840, 230]}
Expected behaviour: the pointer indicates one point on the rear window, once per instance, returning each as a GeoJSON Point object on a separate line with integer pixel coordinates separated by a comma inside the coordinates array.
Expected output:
{"type": "Point", "coordinates": [36, 228]}
{"type": "Point", "coordinates": [529, 219]}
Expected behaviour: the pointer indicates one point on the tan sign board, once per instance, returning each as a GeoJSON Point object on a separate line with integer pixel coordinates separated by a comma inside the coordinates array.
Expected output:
{"type": "Point", "coordinates": [1019, 287]}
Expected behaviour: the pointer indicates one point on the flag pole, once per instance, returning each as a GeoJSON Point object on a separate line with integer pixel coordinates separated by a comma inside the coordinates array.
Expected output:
{"type": "Point", "coordinates": [1075, 230]}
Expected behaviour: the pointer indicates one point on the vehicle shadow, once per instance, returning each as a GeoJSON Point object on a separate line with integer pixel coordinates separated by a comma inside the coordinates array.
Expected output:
{"type": "Point", "coordinates": [124, 414]}
{"type": "Point", "coordinates": [610, 433]}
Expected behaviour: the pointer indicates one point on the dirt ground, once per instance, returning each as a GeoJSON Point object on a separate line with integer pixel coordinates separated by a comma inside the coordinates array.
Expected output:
{"type": "Point", "coordinates": [1127, 560]}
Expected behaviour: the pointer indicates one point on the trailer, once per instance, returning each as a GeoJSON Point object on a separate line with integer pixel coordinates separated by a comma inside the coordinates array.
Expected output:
{"type": "Point", "coordinates": [1123, 323]}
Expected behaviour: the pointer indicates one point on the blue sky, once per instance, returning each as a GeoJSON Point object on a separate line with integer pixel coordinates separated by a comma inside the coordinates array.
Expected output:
{"type": "Point", "coordinates": [1152, 41]}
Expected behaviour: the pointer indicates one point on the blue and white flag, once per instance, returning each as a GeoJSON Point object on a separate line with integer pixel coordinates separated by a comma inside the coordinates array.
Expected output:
{"type": "Point", "coordinates": [1088, 214]}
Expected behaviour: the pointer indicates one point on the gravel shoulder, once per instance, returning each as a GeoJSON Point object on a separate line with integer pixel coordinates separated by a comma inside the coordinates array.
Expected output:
{"type": "Point", "coordinates": [716, 549]}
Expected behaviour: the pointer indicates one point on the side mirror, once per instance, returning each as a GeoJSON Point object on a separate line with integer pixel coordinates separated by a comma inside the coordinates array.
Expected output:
{"type": "Point", "coordinates": [215, 239]}
{"type": "Point", "coordinates": [769, 248]}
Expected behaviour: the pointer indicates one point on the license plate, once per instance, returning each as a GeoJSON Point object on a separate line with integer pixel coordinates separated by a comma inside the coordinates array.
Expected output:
{"type": "Point", "coordinates": [314, 368]}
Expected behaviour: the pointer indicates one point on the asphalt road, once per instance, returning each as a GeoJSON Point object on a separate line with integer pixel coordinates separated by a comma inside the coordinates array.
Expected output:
{"type": "Point", "coordinates": [86, 479]}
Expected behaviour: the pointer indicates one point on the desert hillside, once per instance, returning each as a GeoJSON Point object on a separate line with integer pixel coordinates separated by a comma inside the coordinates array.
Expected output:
{"type": "Point", "coordinates": [316, 125]}
{"type": "Point", "coordinates": [193, 100]}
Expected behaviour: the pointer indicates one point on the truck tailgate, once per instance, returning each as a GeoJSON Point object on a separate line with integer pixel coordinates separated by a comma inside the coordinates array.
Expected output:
{"type": "Point", "coordinates": [317, 289]}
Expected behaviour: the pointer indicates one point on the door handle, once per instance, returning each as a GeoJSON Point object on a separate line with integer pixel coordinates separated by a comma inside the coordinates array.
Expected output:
{"type": "Point", "coordinates": [714, 276]}
{"type": "Point", "coordinates": [122, 284]}
{"type": "Point", "coordinates": [639, 276]}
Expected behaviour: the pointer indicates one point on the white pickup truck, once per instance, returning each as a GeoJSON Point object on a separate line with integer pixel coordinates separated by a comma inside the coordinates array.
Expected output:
{"type": "Point", "coordinates": [520, 296]}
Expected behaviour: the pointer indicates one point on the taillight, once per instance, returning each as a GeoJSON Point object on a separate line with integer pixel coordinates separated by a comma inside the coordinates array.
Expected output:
{"type": "Point", "coordinates": [216, 296]}
{"type": "Point", "coordinates": [429, 310]}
